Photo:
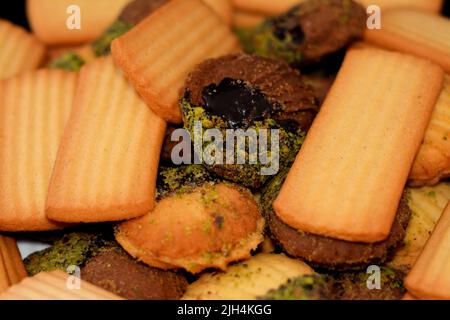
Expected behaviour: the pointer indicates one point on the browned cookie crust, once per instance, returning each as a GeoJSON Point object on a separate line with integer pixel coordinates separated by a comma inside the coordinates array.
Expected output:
{"type": "Point", "coordinates": [279, 82]}
{"type": "Point", "coordinates": [114, 270]}
{"type": "Point", "coordinates": [308, 32]}
{"type": "Point", "coordinates": [331, 253]}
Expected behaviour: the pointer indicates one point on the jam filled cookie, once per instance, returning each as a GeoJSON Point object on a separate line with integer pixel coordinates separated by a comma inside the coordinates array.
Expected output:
{"type": "Point", "coordinates": [245, 92]}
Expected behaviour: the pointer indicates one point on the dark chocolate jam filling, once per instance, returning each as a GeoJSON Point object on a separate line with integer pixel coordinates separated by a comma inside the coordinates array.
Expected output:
{"type": "Point", "coordinates": [236, 102]}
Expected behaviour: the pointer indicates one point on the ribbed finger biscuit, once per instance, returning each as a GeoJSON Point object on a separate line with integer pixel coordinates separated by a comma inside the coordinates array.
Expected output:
{"type": "Point", "coordinates": [34, 109]}
{"type": "Point", "coordinates": [56, 285]}
{"type": "Point", "coordinates": [12, 269]}
{"type": "Point", "coordinates": [107, 162]}
{"type": "Point", "coordinates": [430, 277]}
{"type": "Point", "coordinates": [54, 21]}
{"type": "Point", "coordinates": [223, 8]}
{"type": "Point", "coordinates": [426, 5]}
{"type": "Point", "coordinates": [423, 34]}
{"type": "Point", "coordinates": [19, 51]}
{"type": "Point", "coordinates": [348, 178]}
{"type": "Point", "coordinates": [433, 160]}
{"type": "Point", "coordinates": [158, 53]}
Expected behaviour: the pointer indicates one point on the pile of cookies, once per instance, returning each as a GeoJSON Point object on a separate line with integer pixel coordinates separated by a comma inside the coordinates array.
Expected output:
{"type": "Point", "coordinates": [362, 116]}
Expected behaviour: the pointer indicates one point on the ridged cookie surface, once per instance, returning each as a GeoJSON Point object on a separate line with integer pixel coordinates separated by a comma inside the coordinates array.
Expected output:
{"type": "Point", "coordinates": [19, 51]}
{"type": "Point", "coordinates": [55, 285]}
{"type": "Point", "coordinates": [158, 53]}
{"type": "Point", "coordinates": [348, 178]}
{"type": "Point", "coordinates": [108, 159]}
{"type": "Point", "coordinates": [12, 269]}
{"type": "Point", "coordinates": [423, 34]}
{"type": "Point", "coordinates": [433, 160]}
{"type": "Point", "coordinates": [34, 109]}
{"type": "Point", "coordinates": [222, 8]}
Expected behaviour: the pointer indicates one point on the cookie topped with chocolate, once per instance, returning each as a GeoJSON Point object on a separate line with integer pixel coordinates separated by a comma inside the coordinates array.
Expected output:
{"type": "Point", "coordinates": [308, 32]}
{"type": "Point", "coordinates": [245, 92]}
{"type": "Point", "coordinates": [244, 88]}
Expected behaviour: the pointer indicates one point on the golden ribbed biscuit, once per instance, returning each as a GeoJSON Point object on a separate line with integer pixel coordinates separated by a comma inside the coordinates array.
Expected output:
{"type": "Point", "coordinates": [427, 205]}
{"type": "Point", "coordinates": [209, 227]}
{"type": "Point", "coordinates": [349, 176]}
{"type": "Point", "coordinates": [423, 34]}
{"type": "Point", "coordinates": [34, 109]}
{"type": "Point", "coordinates": [12, 269]}
{"type": "Point", "coordinates": [19, 51]}
{"type": "Point", "coordinates": [48, 19]}
{"type": "Point", "coordinates": [433, 160]}
{"type": "Point", "coordinates": [158, 53]}
{"type": "Point", "coordinates": [266, 7]}
{"type": "Point", "coordinates": [247, 280]}
{"type": "Point", "coordinates": [430, 276]}
{"type": "Point", "coordinates": [55, 285]}
{"type": "Point", "coordinates": [223, 8]}
{"type": "Point", "coordinates": [107, 162]}
{"type": "Point", "coordinates": [243, 19]}
{"type": "Point", "coordinates": [427, 5]}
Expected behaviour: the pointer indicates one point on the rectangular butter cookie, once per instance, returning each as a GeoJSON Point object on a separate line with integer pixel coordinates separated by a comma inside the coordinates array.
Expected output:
{"type": "Point", "coordinates": [349, 175]}
{"type": "Point", "coordinates": [157, 54]}
{"type": "Point", "coordinates": [56, 285]}
{"type": "Point", "coordinates": [108, 159]}
{"type": "Point", "coordinates": [423, 34]}
{"type": "Point", "coordinates": [34, 109]}
{"type": "Point", "coordinates": [223, 8]}
{"type": "Point", "coordinates": [12, 269]}
{"type": "Point", "coordinates": [19, 50]}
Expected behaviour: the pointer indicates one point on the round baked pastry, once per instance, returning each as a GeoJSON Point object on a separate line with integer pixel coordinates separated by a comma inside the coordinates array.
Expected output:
{"type": "Point", "coordinates": [327, 252]}
{"type": "Point", "coordinates": [248, 92]}
{"type": "Point", "coordinates": [308, 32]}
{"type": "Point", "coordinates": [196, 224]}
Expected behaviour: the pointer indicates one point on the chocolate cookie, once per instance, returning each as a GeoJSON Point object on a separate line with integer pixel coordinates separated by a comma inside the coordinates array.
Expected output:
{"type": "Point", "coordinates": [243, 91]}
{"type": "Point", "coordinates": [308, 32]}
